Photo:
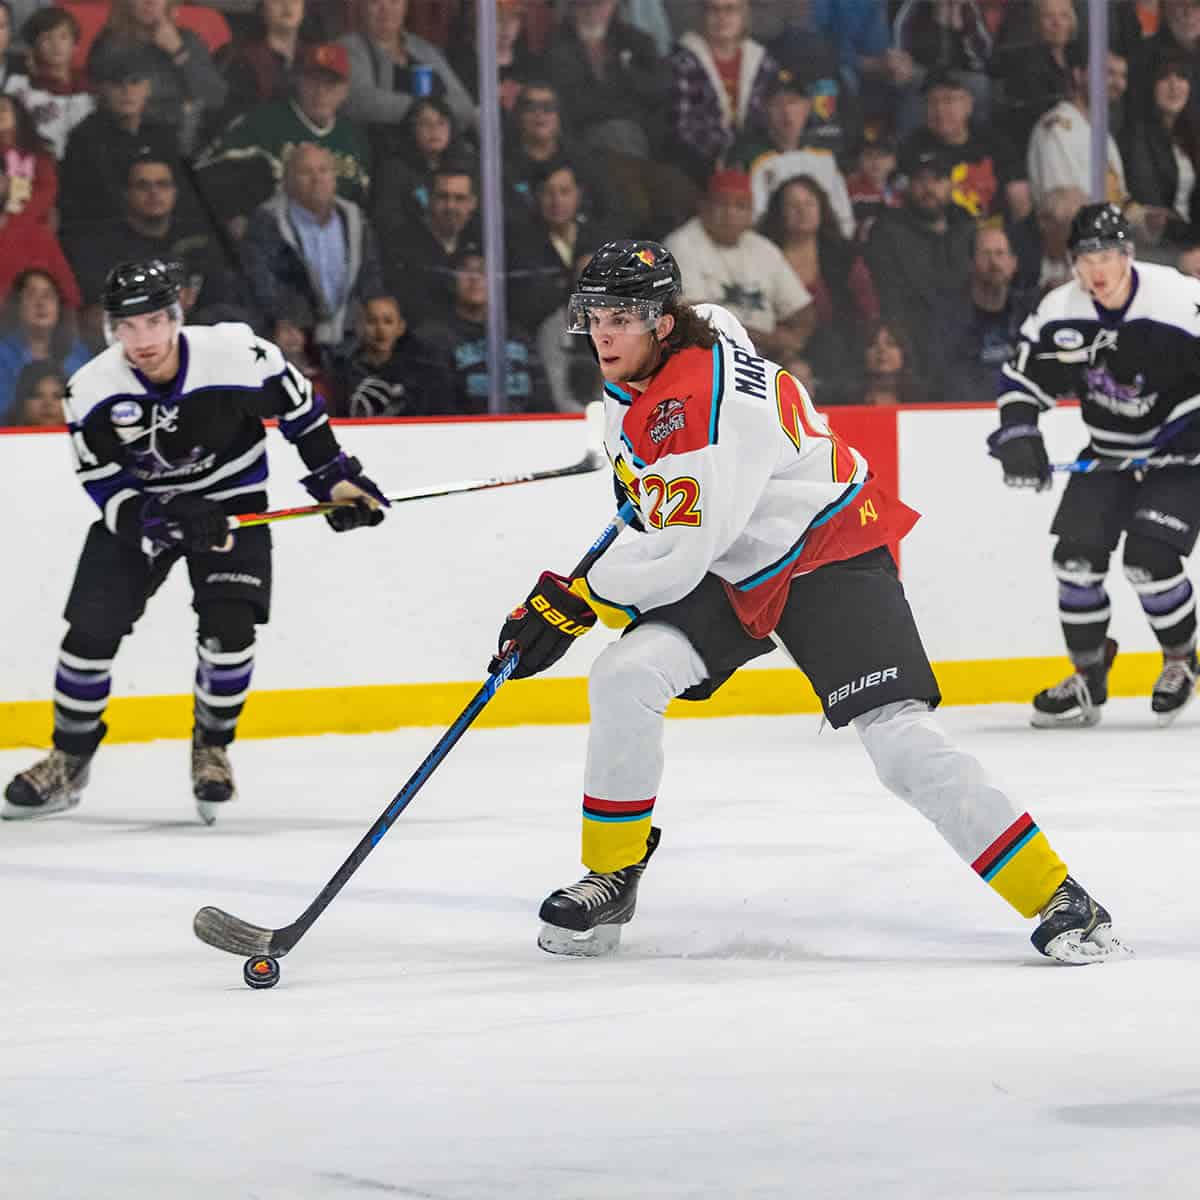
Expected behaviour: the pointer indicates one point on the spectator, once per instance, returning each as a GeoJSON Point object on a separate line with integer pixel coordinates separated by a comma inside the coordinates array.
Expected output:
{"type": "Point", "coordinates": [390, 68]}
{"type": "Point", "coordinates": [150, 226]}
{"type": "Point", "coordinates": [537, 140]}
{"type": "Point", "coordinates": [988, 176]}
{"type": "Point", "coordinates": [572, 372]}
{"type": "Point", "coordinates": [419, 254]}
{"type": "Point", "coordinates": [309, 246]}
{"type": "Point", "coordinates": [11, 63]}
{"type": "Point", "coordinates": [542, 264]}
{"type": "Point", "coordinates": [1118, 85]}
{"type": "Point", "coordinates": [514, 61]}
{"type": "Point", "coordinates": [870, 186]}
{"type": "Point", "coordinates": [391, 373]}
{"type": "Point", "coordinates": [948, 35]}
{"type": "Point", "coordinates": [54, 93]}
{"type": "Point", "coordinates": [785, 151]}
{"type": "Point", "coordinates": [36, 328]}
{"type": "Point", "coordinates": [1188, 261]}
{"type": "Point", "coordinates": [724, 261]}
{"type": "Point", "coordinates": [1054, 213]}
{"type": "Point", "coordinates": [459, 343]}
{"type": "Point", "coordinates": [1038, 76]}
{"type": "Point", "coordinates": [38, 396]}
{"type": "Point", "coordinates": [834, 123]}
{"type": "Point", "coordinates": [882, 74]}
{"type": "Point", "coordinates": [262, 67]}
{"type": "Point", "coordinates": [185, 86]}
{"type": "Point", "coordinates": [1160, 148]}
{"type": "Point", "coordinates": [28, 189]}
{"type": "Point", "coordinates": [801, 222]}
{"type": "Point", "coordinates": [1178, 36]}
{"type": "Point", "coordinates": [294, 331]}
{"type": "Point", "coordinates": [981, 323]}
{"type": "Point", "coordinates": [425, 138]}
{"type": "Point", "coordinates": [720, 79]}
{"type": "Point", "coordinates": [890, 376]}
{"type": "Point", "coordinates": [916, 252]}
{"type": "Point", "coordinates": [95, 167]}
{"type": "Point", "coordinates": [266, 135]}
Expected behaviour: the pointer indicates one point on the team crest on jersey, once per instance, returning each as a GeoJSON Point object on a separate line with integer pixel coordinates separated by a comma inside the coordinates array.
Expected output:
{"type": "Point", "coordinates": [1124, 399]}
{"type": "Point", "coordinates": [1068, 339]}
{"type": "Point", "coordinates": [668, 417]}
{"type": "Point", "coordinates": [125, 413]}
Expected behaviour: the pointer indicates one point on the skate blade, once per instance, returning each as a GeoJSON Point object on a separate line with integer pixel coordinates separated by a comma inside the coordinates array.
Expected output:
{"type": "Point", "coordinates": [589, 943]}
{"type": "Point", "coordinates": [1076, 720]}
{"type": "Point", "coordinates": [1102, 945]}
{"type": "Point", "coordinates": [25, 812]}
{"type": "Point", "coordinates": [1168, 718]}
{"type": "Point", "coordinates": [208, 809]}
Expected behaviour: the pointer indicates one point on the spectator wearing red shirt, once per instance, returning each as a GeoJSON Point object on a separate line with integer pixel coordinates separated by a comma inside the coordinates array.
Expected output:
{"type": "Point", "coordinates": [262, 67]}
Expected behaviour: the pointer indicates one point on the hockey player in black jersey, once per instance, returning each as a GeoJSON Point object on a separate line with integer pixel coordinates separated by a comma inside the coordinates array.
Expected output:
{"type": "Point", "coordinates": [1123, 339]}
{"type": "Point", "coordinates": [167, 430]}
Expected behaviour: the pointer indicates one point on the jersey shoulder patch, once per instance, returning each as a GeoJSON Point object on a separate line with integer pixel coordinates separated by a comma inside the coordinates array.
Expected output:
{"type": "Point", "coordinates": [676, 413]}
{"type": "Point", "coordinates": [102, 378]}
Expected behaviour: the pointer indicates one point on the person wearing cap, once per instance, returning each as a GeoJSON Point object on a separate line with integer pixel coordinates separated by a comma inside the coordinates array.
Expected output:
{"type": "Point", "coordinates": [942, 35]}
{"type": "Point", "coordinates": [186, 87]}
{"type": "Point", "coordinates": [872, 185]}
{"type": "Point", "coordinates": [918, 252]}
{"type": "Point", "coordinates": [988, 175]}
{"type": "Point", "coordinates": [268, 134]}
{"type": "Point", "coordinates": [460, 349]}
{"type": "Point", "coordinates": [54, 91]}
{"type": "Point", "coordinates": [92, 173]}
{"type": "Point", "coordinates": [786, 151]}
{"type": "Point", "coordinates": [725, 262]}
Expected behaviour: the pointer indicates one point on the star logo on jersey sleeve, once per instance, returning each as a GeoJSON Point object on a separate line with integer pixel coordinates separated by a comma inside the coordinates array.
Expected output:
{"type": "Point", "coordinates": [259, 352]}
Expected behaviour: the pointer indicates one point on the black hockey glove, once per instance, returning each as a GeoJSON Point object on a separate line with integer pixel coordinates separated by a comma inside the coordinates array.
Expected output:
{"type": "Point", "coordinates": [341, 481]}
{"type": "Point", "coordinates": [1022, 454]}
{"type": "Point", "coordinates": [191, 523]}
{"type": "Point", "coordinates": [544, 626]}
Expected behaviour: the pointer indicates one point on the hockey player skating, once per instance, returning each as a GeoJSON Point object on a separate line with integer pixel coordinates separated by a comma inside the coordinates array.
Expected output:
{"type": "Point", "coordinates": [167, 430]}
{"type": "Point", "coordinates": [1123, 339]}
{"type": "Point", "coordinates": [758, 522]}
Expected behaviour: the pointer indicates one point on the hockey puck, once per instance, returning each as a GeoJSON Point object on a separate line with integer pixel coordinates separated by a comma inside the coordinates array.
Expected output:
{"type": "Point", "coordinates": [261, 972]}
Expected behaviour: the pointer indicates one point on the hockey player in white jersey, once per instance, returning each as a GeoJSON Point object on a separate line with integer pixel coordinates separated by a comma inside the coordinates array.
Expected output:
{"type": "Point", "coordinates": [167, 429]}
{"type": "Point", "coordinates": [1123, 339]}
{"type": "Point", "coordinates": [758, 523]}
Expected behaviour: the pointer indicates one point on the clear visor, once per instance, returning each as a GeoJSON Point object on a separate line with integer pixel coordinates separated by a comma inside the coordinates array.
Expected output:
{"type": "Point", "coordinates": [611, 314]}
{"type": "Point", "coordinates": [1100, 246]}
{"type": "Point", "coordinates": [174, 311]}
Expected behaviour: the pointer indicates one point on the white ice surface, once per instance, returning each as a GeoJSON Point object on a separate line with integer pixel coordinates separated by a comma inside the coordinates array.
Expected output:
{"type": "Point", "coordinates": [817, 999]}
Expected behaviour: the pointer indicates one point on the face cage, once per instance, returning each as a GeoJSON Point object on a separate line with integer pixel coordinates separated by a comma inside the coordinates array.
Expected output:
{"type": "Point", "coordinates": [643, 314]}
{"type": "Point", "coordinates": [175, 309]}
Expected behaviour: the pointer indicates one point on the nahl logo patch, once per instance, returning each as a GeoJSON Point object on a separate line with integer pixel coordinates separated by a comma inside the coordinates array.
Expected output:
{"type": "Point", "coordinates": [862, 683]}
{"type": "Point", "coordinates": [668, 417]}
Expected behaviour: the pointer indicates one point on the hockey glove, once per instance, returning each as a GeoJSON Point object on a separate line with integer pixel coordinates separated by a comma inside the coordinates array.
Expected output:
{"type": "Point", "coordinates": [544, 626]}
{"type": "Point", "coordinates": [1022, 454]}
{"type": "Point", "coordinates": [341, 481]}
{"type": "Point", "coordinates": [191, 523]}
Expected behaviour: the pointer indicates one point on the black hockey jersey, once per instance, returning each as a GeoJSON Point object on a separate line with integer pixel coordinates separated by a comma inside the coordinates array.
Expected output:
{"type": "Point", "coordinates": [202, 433]}
{"type": "Point", "coordinates": [1135, 372]}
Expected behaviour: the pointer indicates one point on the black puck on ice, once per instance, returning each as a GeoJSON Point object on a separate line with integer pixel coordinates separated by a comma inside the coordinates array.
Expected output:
{"type": "Point", "coordinates": [261, 972]}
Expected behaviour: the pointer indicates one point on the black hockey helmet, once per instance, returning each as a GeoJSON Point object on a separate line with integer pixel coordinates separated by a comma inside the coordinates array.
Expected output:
{"type": "Point", "coordinates": [1099, 227]}
{"type": "Point", "coordinates": [637, 275]}
{"type": "Point", "coordinates": [133, 288]}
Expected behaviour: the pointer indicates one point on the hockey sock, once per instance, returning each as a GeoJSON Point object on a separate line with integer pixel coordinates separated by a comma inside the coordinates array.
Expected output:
{"type": "Point", "coordinates": [1156, 574]}
{"type": "Point", "coordinates": [1083, 605]}
{"type": "Point", "coordinates": [81, 686]}
{"type": "Point", "coordinates": [615, 832]}
{"type": "Point", "coordinates": [1022, 867]}
{"type": "Point", "coordinates": [224, 664]}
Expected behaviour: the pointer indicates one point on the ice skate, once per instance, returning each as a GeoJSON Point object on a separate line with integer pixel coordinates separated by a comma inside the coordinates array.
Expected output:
{"type": "Point", "coordinates": [1075, 929]}
{"type": "Point", "coordinates": [51, 786]}
{"type": "Point", "coordinates": [1175, 686]}
{"type": "Point", "coordinates": [212, 779]}
{"type": "Point", "coordinates": [585, 918]}
{"type": "Point", "coordinates": [1077, 701]}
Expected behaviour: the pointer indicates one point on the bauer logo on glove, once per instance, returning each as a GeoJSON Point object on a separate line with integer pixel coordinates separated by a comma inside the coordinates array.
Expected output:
{"type": "Point", "coordinates": [544, 626]}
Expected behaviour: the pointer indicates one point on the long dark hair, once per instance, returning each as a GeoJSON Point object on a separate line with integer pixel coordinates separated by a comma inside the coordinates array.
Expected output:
{"type": "Point", "coordinates": [771, 225]}
{"type": "Point", "coordinates": [63, 337]}
{"type": "Point", "coordinates": [1184, 132]}
{"type": "Point", "coordinates": [691, 329]}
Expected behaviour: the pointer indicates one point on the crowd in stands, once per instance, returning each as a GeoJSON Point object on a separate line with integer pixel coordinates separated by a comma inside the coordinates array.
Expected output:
{"type": "Point", "coordinates": [879, 189]}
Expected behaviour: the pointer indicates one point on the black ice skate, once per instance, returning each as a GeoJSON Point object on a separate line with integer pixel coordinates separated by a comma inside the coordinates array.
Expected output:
{"type": "Point", "coordinates": [585, 918]}
{"type": "Point", "coordinates": [1175, 687]}
{"type": "Point", "coordinates": [53, 785]}
{"type": "Point", "coordinates": [1076, 702]}
{"type": "Point", "coordinates": [212, 779]}
{"type": "Point", "coordinates": [1075, 929]}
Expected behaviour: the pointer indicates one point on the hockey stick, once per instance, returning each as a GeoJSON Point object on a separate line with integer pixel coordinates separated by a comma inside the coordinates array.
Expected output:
{"type": "Point", "coordinates": [593, 460]}
{"type": "Point", "coordinates": [227, 932]}
{"type": "Point", "coordinates": [1086, 466]}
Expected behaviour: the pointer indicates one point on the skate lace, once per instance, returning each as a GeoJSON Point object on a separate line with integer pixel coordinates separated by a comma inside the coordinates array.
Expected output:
{"type": "Point", "coordinates": [210, 764]}
{"type": "Point", "coordinates": [1074, 687]}
{"type": "Point", "coordinates": [1059, 902]}
{"type": "Point", "coordinates": [55, 771]}
{"type": "Point", "coordinates": [595, 889]}
{"type": "Point", "coordinates": [1177, 676]}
